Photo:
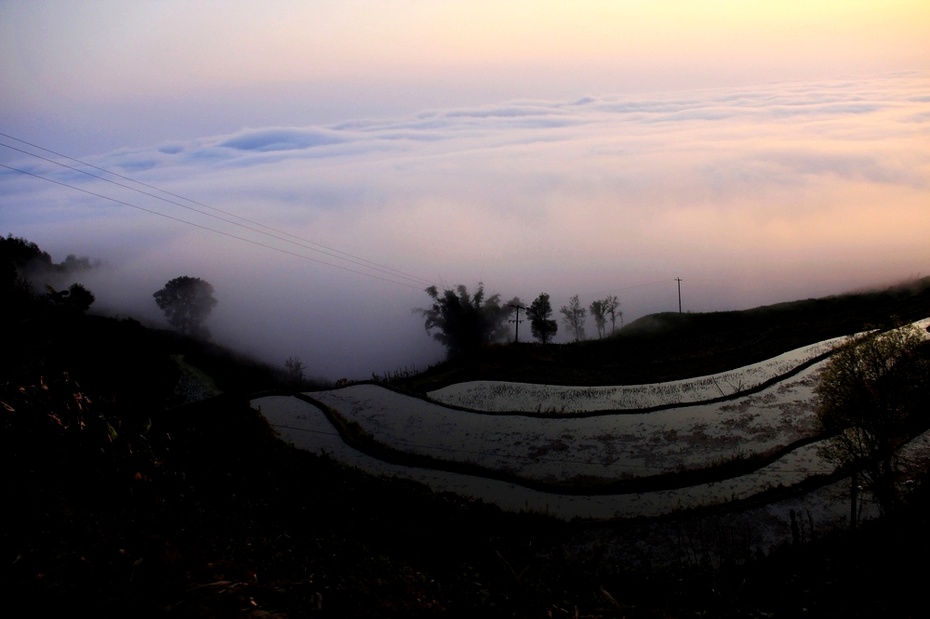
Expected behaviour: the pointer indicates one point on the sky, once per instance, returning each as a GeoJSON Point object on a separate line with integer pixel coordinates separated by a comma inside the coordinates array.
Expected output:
{"type": "Point", "coordinates": [322, 163]}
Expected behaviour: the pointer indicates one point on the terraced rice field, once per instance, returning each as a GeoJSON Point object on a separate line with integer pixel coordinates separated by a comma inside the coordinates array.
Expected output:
{"type": "Point", "coordinates": [589, 452]}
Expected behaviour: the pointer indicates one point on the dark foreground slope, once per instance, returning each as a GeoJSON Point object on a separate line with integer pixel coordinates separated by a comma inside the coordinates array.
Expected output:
{"type": "Point", "coordinates": [205, 514]}
{"type": "Point", "coordinates": [120, 502]}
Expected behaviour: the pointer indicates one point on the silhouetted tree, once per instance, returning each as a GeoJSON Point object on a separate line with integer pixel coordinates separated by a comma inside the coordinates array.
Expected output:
{"type": "Point", "coordinates": [19, 253]}
{"type": "Point", "coordinates": [611, 308]}
{"type": "Point", "coordinates": [541, 324]}
{"type": "Point", "coordinates": [868, 396]}
{"type": "Point", "coordinates": [80, 298]}
{"type": "Point", "coordinates": [23, 265]}
{"type": "Point", "coordinates": [187, 301]}
{"type": "Point", "coordinates": [15, 291]}
{"type": "Point", "coordinates": [573, 315]}
{"type": "Point", "coordinates": [76, 299]}
{"type": "Point", "coordinates": [295, 371]}
{"type": "Point", "coordinates": [461, 321]}
{"type": "Point", "coordinates": [599, 312]}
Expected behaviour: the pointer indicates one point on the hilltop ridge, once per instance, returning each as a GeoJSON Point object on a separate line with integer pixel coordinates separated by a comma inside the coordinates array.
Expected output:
{"type": "Point", "coordinates": [671, 346]}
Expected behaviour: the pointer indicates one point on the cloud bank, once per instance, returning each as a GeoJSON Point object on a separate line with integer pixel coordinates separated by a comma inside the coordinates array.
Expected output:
{"type": "Point", "coordinates": [319, 240]}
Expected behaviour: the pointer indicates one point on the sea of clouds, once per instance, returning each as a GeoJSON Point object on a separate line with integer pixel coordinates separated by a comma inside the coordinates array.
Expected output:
{"type": "Point", "coordinates": [320, 240]}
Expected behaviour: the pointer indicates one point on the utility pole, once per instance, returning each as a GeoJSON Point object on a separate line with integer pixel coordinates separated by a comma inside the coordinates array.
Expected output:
{"type": "Point", "coordinates": [517, 321]}
{"type": "Point", "coordinates": [678, 279]}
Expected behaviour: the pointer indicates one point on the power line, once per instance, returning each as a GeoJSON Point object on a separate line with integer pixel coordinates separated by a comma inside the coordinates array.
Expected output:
{"type": "Point", "coordinates": [301, 242]}
{"type": "Point", "coordinates": [202, 227]}
{"type": "Point", "coordinates": [619, 290]}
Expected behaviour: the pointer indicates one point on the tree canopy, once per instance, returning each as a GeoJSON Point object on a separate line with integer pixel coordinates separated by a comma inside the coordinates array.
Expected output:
{"type": "Point", "coordinates": [76, 299]}
{"type": "Point", "coordinates": [611, 305]}
{"type": "Point", "coordinates": [541, 323]}
{"type": "Point", "coordinates": [870, 399]}
{"type": "Point", "coordinates": [187, 302]}
{"type": "Point", "coordinates": [461, 321]}
{"type": "Point", "coordinates": [601, 309]}
{"type": "Point", "coordinates": [573, 315]}
{"type": "Point", "coordinates": [24, 268]}
{"type": "Point", "coordinates": [599, 312]}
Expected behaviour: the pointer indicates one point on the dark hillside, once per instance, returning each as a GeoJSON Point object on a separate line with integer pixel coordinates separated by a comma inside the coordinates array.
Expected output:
{"type": "Point", "coordinates": [671, 346]}
{"type": "Point", "coordinates": [122, 500]}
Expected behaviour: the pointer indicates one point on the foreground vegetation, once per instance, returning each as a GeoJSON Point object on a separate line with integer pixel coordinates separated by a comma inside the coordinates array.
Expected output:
{"type": "Point", "coordinates": [123, 498]}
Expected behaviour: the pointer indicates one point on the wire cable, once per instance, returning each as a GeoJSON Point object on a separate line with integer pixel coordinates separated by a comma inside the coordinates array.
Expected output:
{"type": "Point", "coordinates": [619, 290]}
{"type": "Point", "coordinates": [253, 225]}
{"type": "Point", "coordinates": [202, 227]}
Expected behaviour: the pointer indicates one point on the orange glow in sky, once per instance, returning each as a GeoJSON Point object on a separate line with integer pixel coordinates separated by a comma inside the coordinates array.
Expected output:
{"type": "Point", "coordinates": [110, 49]}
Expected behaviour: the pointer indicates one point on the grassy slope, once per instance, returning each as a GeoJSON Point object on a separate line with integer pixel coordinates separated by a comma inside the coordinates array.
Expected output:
{"type": "Point", "coordinates": [204, 513]}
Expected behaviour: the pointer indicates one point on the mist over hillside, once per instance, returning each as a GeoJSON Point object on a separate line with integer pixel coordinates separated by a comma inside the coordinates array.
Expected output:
{"type": "Point", "coordinates": [413, 350]}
